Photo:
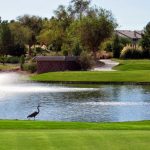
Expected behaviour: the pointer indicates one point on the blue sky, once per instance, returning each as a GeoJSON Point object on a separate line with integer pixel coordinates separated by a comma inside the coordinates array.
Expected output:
{"type": "Point", "coordinates": [130, 14]}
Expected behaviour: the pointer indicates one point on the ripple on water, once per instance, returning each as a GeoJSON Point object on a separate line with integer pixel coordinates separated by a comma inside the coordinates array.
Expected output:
{"type": "Point", "coordinates": [116, 103]}
{"type": "Point", "coordinates": [65, 103]}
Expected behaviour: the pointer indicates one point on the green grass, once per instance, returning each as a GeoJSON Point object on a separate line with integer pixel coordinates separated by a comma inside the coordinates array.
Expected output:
{"type": "Point", "coordinates": [43, 135]}
{"type": "Point", "coordinates": [116, 76]}
{"type": "Point", "coordinates": [8, 67]}
{"type": "Point", "coordinates": [6, 124]}
{"type": "Point", "coordinates": [129, 65]}
{"type": "Point", "coordinates": [74, 140]}
{"type": "Point", "coordinates": [127, 71]}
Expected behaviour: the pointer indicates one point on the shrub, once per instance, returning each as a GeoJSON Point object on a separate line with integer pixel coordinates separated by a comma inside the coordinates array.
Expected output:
{"type": "Point", "coordinates": [3, 59]}
{"type": "Point", "coordinates": [104, 55]}
{"type": "Point", "coordinates": [17, 50]}
{"type": "Point", "coordinates": [65, 52]}
{"type": "Point", "coordinates": [130, 52]}
{"type": "Point", "coordinates": [66, 49]}
{"type": "Point", "coordinates": [107, 46]}
{"type": "Point", "coordinates": [38, 50]}
{"type": "Point", "coordinates": [85, 60]}
{"type": "Point", "coordinates": [30, 67]}
{"type": "Point", "coordinates": [77, 50]}
{"type": "Point", "coordinates": [22, 61]}
{"type": "Point", "coordinates": [10, 59]}
{"type": "Point", "coordinates": [117, 46]}
{"type": "Point", "coordinates": [146, 53]}
{"type": "Point", "coordinates": [13, 60]}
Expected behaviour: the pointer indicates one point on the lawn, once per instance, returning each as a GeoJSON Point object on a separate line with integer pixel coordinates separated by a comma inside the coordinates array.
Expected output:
{"type": "Point", "coordinates": [97, 77]}
{"type": "Point", "coordinates": [42, 135]}
{"type": "Point", "coordinates": [129, 65]}
{"type": "Point", "coordinates": [8, 67]}
{"type": "Point", "coordinates": [128, 71]}
{"type": "Point", "coordinates": [74, 140]}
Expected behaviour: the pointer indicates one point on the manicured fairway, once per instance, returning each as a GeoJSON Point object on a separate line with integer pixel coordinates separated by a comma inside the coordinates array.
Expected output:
{"type": "Point", "coordinates": [43, 135]}
{"type": "Point", "coordinates": [126, 65]}
{"type": "Point", "coordinates": [128, 71]}
{"type": "Point", "coordinates": [82, 77]}
{"type": "Point", "coordinates": [74, 140]}
{"type": "Point", "coordinates": [47, 125]}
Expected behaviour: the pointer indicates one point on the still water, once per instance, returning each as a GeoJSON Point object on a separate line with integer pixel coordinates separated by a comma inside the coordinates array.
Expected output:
{"type": "Point", "coordinates": [87, 103]}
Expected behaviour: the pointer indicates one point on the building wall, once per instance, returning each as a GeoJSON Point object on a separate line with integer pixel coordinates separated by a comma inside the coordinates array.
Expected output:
{"type": "Point", "coordinates": [51, 66]}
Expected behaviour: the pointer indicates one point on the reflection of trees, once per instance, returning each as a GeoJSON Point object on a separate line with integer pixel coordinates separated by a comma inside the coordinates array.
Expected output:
{"type": "Point", "coordinates": [81, 96]}
{"type": "Point", "coordinates": [84, 85]}
{"type": "Point", "coordinates": [105, 93]}
{"type": "Point", "coordinates": [146, 88]}
{"type": "Point", "coordinates": [117, 91]}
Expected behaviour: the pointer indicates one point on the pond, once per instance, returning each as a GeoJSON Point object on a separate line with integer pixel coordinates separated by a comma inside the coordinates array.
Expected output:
{"type": "Point", "coordinates": [86, 103]}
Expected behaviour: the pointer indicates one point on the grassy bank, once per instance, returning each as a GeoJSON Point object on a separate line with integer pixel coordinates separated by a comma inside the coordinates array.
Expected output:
{"type": "Point", "coordinates": [6, 124]}
{"type": "Point", "coordinates": [42, 135]}
{"type": "Point", "coordinates": [116, 76]}
{"type": "Point", "coordinates": [132, 65]}
{"type": "Point", "coordinates": [128, 71]}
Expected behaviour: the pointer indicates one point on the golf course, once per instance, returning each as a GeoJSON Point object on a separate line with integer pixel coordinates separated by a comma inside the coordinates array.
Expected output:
{"type": "Point", "coordinates": [39, 135]}
{"type": "Point", "coordinates": [47, 135]}
{"type": "Point", "coordinates": [75, 75]}
{"type": "Point", "coordinates": [128, 71]}
{"type": "Point", "coordinates": [96, 136]}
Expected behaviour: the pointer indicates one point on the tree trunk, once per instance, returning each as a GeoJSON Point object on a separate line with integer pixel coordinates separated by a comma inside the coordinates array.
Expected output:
{"type": "Point", "coordinates": [94, 53]}
{"type": "Point", "coordinates": [29, 52]}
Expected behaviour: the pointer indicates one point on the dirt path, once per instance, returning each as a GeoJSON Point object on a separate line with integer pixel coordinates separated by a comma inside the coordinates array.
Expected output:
{"type": "Point", "coordinates": [109, 64]}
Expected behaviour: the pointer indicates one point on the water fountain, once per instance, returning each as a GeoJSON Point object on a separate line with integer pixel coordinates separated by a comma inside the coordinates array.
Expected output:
{"type": "Point", "coordinates": [16, 83]}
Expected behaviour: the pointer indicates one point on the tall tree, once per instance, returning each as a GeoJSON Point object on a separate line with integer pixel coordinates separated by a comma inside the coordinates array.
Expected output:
{"type": "Point", "coordinates": [35, 25]}
{"type": "Point", "coordinates": [33, 22]}
{"type": "Point", "coordinates": [21, 36]}
{"type": "Point", "coordinates": [92, 31]}
{"type": "Point", "coordinates": [79, 7]}
{"type": "Point", "coordinates": [52, 34]}
{"type": "Point", "coordinates": [64, 16]}
{"type": "Point", "coordinates": [6, 40]}
{"type": "Point", "coordinates": [116, 46]}
{"type": "Point", "coordinates": [145, 41]}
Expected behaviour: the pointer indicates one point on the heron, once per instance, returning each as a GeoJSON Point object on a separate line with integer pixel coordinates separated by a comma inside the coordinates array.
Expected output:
{"type": "Point", "coordinates": [34, 114]}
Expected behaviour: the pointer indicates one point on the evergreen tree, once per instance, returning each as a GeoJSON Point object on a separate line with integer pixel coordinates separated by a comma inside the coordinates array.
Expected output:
{"type": "Point", "coordinates": [6, 39]}
{"type": "Point", "coordinates": [116, 47]}
{"type": "Point", "coordinates": [145, 41]}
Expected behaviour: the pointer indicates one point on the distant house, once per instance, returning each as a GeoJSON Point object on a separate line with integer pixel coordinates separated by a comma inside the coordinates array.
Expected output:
{"type": "Point", "coordinates": [56, 63]}
{"type": "Point", "coordinates": [135, 36]}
